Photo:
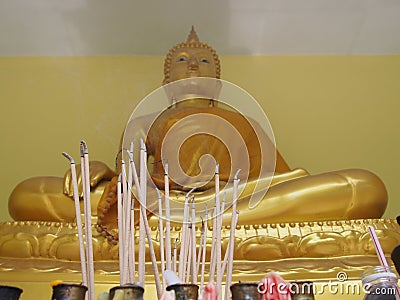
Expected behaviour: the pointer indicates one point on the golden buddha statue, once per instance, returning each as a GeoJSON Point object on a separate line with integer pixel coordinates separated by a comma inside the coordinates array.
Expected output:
{"type": "Point", "coordinates": [290, 195]}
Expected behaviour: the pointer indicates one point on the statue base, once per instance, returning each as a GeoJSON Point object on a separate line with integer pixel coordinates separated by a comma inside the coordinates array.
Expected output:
{"type": "Point", "coordinates": [33, 254]}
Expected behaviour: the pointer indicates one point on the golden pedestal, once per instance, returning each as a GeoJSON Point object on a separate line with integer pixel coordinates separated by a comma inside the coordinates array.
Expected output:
{"type": "Point", "coordinates": [332, 254]}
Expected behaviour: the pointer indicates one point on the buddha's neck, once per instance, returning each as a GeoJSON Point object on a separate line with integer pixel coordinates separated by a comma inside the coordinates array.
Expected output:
{"type": "Point", "coordinates": [197, 102]}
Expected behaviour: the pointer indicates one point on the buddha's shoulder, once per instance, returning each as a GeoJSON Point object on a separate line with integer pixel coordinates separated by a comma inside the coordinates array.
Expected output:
{"type": "Point", "coordinates": [178, 113]}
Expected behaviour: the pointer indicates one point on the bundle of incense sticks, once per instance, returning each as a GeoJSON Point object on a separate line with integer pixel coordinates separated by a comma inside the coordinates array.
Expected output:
{"type": "Point", "coordinates": [86, 253]}
{"type": "Point", "coordinates": [191, 265]}
{"type": "Point", "coordinates": [126, 222]}
{"type": "Point", "coordinates": [192, 256]}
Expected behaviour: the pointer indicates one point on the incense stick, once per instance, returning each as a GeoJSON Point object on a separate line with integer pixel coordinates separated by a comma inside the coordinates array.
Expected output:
{"type": "Point", "coordinates": [167, 218]}
{"type": "Point", "coordinates": [134, 173]}
{"type": "Point", "coordinates": [182, 252]}
{"type": "Point", "coordinates": [78, 219]}
{"type": "Point", "coordinates": [152, 253]}
{"type": "Point", "coordinates": [132, 241]}
{"type": "Point", "coordinates": [218, 233]}
{"type": "Point", "coordinates": [194, 267]}
{"type": "Point", "coordinates": [124, 243]}
{"type": "Point", "coordinates": [161, 235]}
{"type": "Point", "coordinates": [136, 182]}
{"type": "Point", "coordinates": [213, 246]}
{"type": "Point", "coordinates": [235, 217]}
{"type": "Point", "coordinates": [200, 247]}
{"type": "Point", "coordinates": [142, 233]}
{"type": "Point", "coordinates": [219, 230]}
{"type": "Point", "coordinates": [88, 217]}
{"type": "Point", "coordinates": [204, 251]}
{"type": "Point", "coordinates": [174, 256]}
{"type": "Point", "coordinates": [120, 231]}
{"type": "Point", "coordinates": [232, 236]}
{"type": "Point", "coordinates": [188, 263]}
{"type": "Point", "coordinates": [131, 224]}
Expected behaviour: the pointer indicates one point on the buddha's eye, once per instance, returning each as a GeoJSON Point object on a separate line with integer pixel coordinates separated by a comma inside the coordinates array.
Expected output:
{"type": "Point", "coordinates": [181, 58]}
{"type": "Point", "coordinates": [204, 60]}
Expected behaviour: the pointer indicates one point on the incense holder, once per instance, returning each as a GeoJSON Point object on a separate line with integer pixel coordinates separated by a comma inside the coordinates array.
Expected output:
{"type": "Point", "coordinates": [129, 291]}
{"type": "Point", "coordinates": [9, 292]}
{"type": "Point", "coordinates": [245, 290]}
{"type": "Point", "coordinates": [66, 291]}
{"type": "Point", "coordinates": [302, 290]}
{"type": "Point", "coordinates": [184, 291]}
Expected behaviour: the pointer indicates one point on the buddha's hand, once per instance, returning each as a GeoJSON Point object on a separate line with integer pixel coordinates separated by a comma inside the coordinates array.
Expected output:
{"type": "Point", "coordinates": [98, 171]}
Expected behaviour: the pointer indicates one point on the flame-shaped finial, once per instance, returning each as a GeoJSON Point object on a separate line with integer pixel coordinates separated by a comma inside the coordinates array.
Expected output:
{"type": "Point", "coordinates": [192, 37]}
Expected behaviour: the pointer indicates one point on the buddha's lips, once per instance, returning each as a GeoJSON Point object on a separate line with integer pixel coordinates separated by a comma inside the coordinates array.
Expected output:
{"type": "Point", "coordinates": [193, 73]}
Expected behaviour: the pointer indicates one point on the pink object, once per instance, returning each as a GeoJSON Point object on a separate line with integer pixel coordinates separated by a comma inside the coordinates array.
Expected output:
{"type": "Point", "coordinates": [378, 247]}
{"type": "Point", "coordinates": [273, 287]}
{"type": "Point", "coordinates": [210, 292]}
{"type": "Point", "coordinates": [168, 295]}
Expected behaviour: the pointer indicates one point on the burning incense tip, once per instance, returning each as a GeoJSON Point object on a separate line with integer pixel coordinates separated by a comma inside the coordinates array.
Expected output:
{"type": "Point", "coordinates": [188, 193]}
{"type": "Point", "coordinates": [85, 147]}
{"type": "Point", "coordinates": [158, 193]}
{"type": "Point", "coordinates": [237, 174]}
{"type": "Point", "coordinates": [166, 167]}
{"type": "Point", "coordinates": [69, 157]}
{"type": "Point", "coordinates": [142, 145]}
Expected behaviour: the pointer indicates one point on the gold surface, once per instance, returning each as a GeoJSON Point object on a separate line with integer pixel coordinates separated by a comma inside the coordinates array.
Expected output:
{"type": "Point", "coordinates": [32, 254]}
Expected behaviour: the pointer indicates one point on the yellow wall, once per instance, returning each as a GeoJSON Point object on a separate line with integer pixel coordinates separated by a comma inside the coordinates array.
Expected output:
{"type": "Point", "coordinates": [327, 112]}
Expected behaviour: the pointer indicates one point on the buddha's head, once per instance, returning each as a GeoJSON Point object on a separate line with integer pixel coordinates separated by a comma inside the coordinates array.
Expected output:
{"type": "Point", "coordinates": [191, 59]}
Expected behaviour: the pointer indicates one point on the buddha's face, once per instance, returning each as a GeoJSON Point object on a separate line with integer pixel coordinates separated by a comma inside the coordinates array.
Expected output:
{"type": "Point", "coordinates": [192, 62]}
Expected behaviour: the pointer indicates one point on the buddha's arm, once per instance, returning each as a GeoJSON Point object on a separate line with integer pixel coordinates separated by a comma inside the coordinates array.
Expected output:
{"type": "Point", "coordinates": [293, 174]}
{"type": "Point", "coordinates": [42, 198]}
{"type": "Point", "coordinates": [245, 188]}
{"type": "Point", "coordinates": [98, 171]}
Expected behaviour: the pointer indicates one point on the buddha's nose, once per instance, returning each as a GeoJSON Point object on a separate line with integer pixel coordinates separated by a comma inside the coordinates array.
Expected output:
{"type": "Point", "coordinates": [193, 63]}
